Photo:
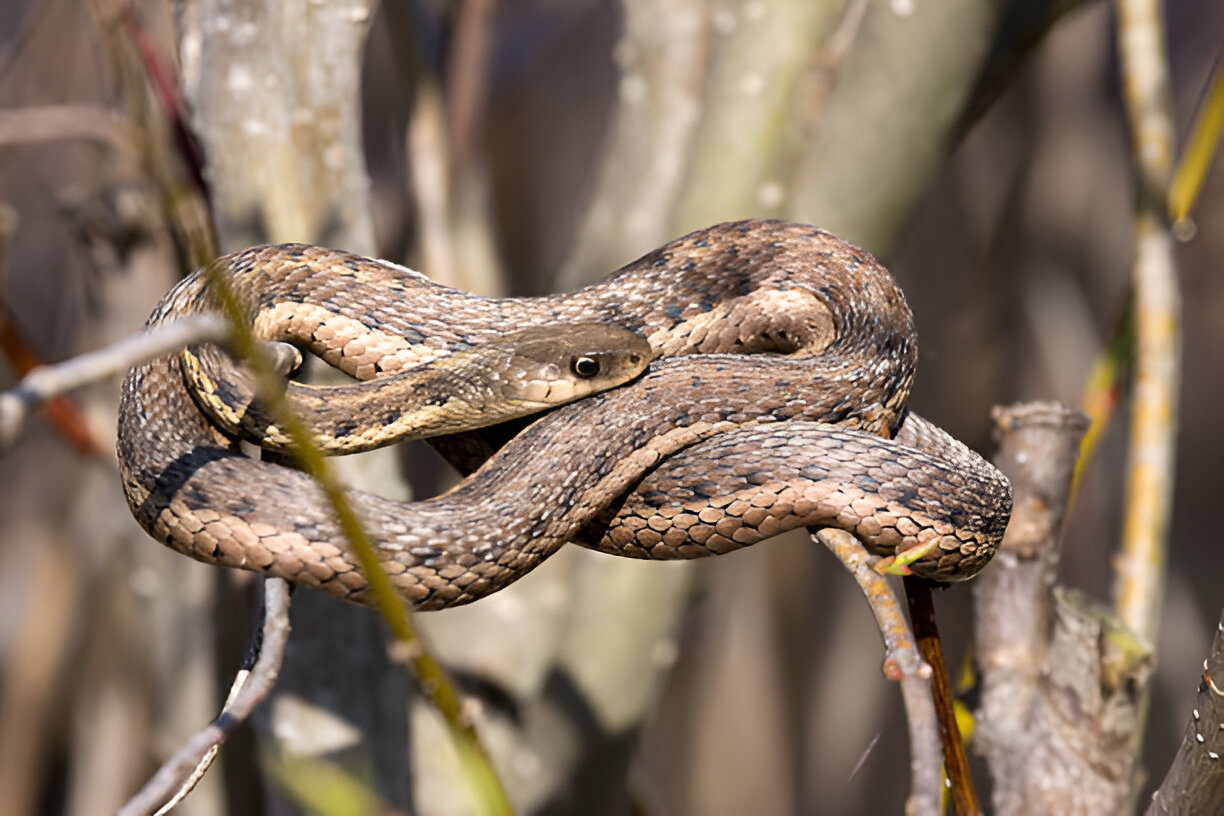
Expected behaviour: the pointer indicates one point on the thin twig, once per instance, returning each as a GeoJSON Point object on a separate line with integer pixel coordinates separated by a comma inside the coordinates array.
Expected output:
{"type": "Point", "coordinates": [50, 381]}
{"type": "Point", "coordinates": [408, 649]}
{"type": "Point", "coordinates": [1141, 564]}
{"type": "Point", "coordinates": [902, 663]}
{"type": "Point", "coordinates": [166, 88]}
{"type": "Point", "coordinates": [63, 414]}
{"type": "Point", "coordinates": [46, 123]}
{"type": "Point", "coordinates": [922, 617]}
{"type": "Point", "coordinates": [1199, 151]}
{"type": "Point", "coordinates": [175, 778]}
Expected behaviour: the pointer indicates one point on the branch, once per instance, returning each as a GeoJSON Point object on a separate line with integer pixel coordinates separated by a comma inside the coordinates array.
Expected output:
{"type": "Point", "coordinates": [407, 649]}
{"type": "Point", "coordinates": [47, 123]}
{"type": "Point", "coordinates": [664, 62]}
{"type": "Point", "coordinates": [1062, 680]}
{"type": "Point", "coordinates": [902, 663]}
{"type": "Point", "coordinates": [922, 615]}
{"type": "Point", "coordinates": [1139, 583]}
{"type": "Point", "coordinates": [47, 382]}
{"type": "Point", "coordinates": [1195, 781]}
{"type": "Point", "coordinates": [1038, 447]}
{"type": "Point", "coordinates": [181, 772]}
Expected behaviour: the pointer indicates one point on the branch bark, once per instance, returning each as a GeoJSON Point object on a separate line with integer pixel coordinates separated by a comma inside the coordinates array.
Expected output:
{"type": "Point", "coordinates": [1062, 680]}
{"type": "Point", "coordinates": [903, 663]}
{"type": "Point", "coordinates": [178, 775]}
{"type": "Point", "coordinates": [1139, 584]}
{"type": "Point", "coordinates": [1195, 781]}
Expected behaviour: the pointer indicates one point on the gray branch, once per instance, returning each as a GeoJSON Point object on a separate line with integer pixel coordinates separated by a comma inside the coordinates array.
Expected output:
{"type": "Point", "coordinates": [903, 663]}
{"type": "Point", "coordinates": [47, 382]}
{"type": "Point", "coordinates": [181, 772]}
{"type": "Point", "coordinates": [1061, 678]}
{"type": "Point", "coordinates": [1195, 781]}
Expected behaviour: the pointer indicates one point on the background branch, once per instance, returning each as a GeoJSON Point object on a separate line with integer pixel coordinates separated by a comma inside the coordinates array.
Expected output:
{"type": "Point", "coordinates": [1141, 565]}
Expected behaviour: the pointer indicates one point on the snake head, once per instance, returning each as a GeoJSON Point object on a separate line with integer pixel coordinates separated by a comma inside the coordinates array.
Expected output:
{"type": "Point", "coordinates": [553, 365]}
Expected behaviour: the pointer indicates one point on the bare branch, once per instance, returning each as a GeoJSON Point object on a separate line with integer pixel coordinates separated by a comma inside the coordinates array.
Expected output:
{"type": "Point", "coordinates": [1038, 446]}
{"type": "Point", "coordinates": [181, 772]}
{"type": "Point", "coordinates": [1141, 564]}
{"type": "Point", "coordinates": [1195, 781]}
{"type": "Point", "coordinates": [58, 122]}
{"type": "Point", "coordinates": [663, 60]}
{"type": "Point", "coordinates": [902, 663]}
{"type": "Point", "coordinates": [1062, 680]}
{"type": "Point", "coordinates": [50, 381]}
{"type": "Point", "coordinates": [922, 616]}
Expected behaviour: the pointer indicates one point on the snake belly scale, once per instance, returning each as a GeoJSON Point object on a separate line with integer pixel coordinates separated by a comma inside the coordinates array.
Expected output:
{"type": "Point", "coordinates": [777, 398]}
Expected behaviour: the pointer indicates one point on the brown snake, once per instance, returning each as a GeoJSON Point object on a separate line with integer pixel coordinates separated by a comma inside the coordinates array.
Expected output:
{"type": "Point", "coordinates": [716, 446]}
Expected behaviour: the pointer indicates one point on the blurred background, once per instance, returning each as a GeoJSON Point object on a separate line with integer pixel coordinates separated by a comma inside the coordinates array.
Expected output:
{"type": "Point", "coordinates": [518, 147]}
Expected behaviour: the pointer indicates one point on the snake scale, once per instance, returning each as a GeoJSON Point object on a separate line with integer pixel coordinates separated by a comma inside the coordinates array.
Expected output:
{"type": "Point", "coordinates": [776, 398]}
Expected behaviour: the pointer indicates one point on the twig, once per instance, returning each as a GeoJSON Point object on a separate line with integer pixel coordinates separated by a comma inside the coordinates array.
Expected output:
{"type": "Point", "coordinates": [922, 617]}
{"type": "Point", "coordinates": [407, 649]}
{"type": "Point", "coordinates": [167, 91]}
{"type": "Point", "coordinates": [1199, 151]}
{"type": "Point", "coordinates": [1141, 564]}
{"type": "Point", "coordinates": [179, 774]}
{"type": "Point", "coordinates": [50, 381]}
{"type": "Point", "coordinates": [1195, 781]}
{"type": "Point", "coordinates": [47, 123]}
{"type": "Point", "coordinates": [64, 414]}
{"type": "Point", "coordinates": [902, 663]}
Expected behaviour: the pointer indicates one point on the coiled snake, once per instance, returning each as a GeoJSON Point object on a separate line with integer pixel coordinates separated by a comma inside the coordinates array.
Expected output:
{"type": "Point", "coordinates": [776, 399]}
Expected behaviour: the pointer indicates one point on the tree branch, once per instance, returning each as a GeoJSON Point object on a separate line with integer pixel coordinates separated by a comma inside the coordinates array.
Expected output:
{"type": "Point", "coordinates": [902, 663]}
{"type": "Point", "coordinates": [1139, 584]}
{"type": "Point", "coordinates": [179, 774]}
{"type": "Point", "coordinates": [1195, 781]}
{"type": "Point", "coordinates": [1062, 680]}
{"type": "Point", "coordinates": [50, 381]}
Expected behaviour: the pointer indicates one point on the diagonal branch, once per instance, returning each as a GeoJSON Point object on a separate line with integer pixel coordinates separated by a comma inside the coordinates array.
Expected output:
{"type": "Point", "coordinates": [178, 775]}
{"type": "Point", "coordinates": [1195, 781]}
{"type": "Point", "coordinates": [902, 663]}
{"type": "Point", "coordinates": [47, 382]}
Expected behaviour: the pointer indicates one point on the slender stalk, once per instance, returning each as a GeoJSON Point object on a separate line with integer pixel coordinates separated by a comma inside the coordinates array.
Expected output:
{"type": "Point", "coordinates": [902, 663]}
{"type": "Point", "coordinates": [1141, 565]}
{"type": "Point", "coordinates": [922, 618]}
{"type": "Point", "coordinates": [408, 649]}
{"type": "Point", "coordinates": [179, 774]}
{"type": "Point", "coordinates": [1200, 150]}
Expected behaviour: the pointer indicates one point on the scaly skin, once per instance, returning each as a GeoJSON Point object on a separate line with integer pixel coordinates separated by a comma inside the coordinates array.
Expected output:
{"type": "Point", "coordinates": [651, 469]}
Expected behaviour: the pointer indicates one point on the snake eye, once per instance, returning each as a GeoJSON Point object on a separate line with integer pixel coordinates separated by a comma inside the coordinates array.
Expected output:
{"type": "Point", "coordinates": [585, 367]}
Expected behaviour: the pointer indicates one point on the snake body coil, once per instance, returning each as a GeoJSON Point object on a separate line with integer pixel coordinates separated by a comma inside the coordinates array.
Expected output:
{"type": "Point", "coordinates": [777, 399]}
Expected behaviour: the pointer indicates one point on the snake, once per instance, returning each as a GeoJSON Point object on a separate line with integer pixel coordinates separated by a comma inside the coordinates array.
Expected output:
{"type": "Point", "coordinates": [517, 375]}
{"type": "Point", "coordinates": [771, 394]}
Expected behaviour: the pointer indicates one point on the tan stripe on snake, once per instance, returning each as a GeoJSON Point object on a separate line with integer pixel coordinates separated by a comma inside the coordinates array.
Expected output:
{"type": "Point", "coordinates": [776, 399]}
